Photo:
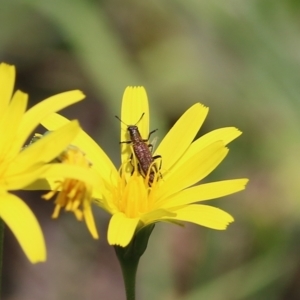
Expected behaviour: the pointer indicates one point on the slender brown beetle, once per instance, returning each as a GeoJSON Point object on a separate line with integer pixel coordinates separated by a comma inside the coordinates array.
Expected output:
{"type": "Point", "coordinates": [142, 150]}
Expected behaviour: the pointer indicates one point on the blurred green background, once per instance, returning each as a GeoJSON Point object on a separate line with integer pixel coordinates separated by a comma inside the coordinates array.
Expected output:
{"type": "Point", "coordinates": [240, 58]}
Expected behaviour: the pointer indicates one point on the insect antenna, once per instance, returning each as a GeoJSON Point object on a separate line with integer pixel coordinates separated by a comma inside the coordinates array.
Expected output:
{"type": "Point", "coordinates": [139, 119]}
{"type": "Point", "coordinates": [130, 125]}
{"type": "Point", "coordinates": [121, 120]}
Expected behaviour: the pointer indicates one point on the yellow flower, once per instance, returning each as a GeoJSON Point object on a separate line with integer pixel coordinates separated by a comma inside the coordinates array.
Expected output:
{"type": "Point", "coordinates": [75, 190]}
{"type": "Point", "coordinates": [172, 196]}
{"type": "Point", "coordinates": [20, 167]}
{"type": "Point", "coordinates": [73, 194]}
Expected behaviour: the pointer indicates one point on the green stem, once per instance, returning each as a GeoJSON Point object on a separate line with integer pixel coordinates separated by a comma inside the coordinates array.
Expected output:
{"type": "Point", "coordinates": [129, 258]}
{"type": "Point", "coordinates": [129, 267]}
{"type": "Point", "coordinates": [1, 250]}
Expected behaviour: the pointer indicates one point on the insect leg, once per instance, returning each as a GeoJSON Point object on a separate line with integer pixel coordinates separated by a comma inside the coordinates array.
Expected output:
{"type": "Point", "coordinates": [151, 132]}
{"type": "Point", "coordinates": [125, 142]}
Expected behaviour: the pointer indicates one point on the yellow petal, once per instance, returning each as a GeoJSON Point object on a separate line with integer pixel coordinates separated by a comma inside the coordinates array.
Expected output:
{"type": "Point", "coordinates": [41, 184]}
{"type": "Point", "coordinates": [194, 170]}
{"type": "Point", "coordinates": [51, 183]}
{"type": "Point", "coordinates": [204, 215]}
{"type": "Point", "coordinates": [22, 222]}
{"type": "Point", "coordinates": [100, 161]}
{"type": "Point", "coordinates": [89, 220]}
{"type": "Point", "coordinates": [43, 109]}
{"type": "Point", "coordinates": [98, 158]}
{"type": "Point", "coordinates": [226, 135]}
{"type": "Point", "coordinates": [17, 180]}
{"type": "Point", "coordinates": [204, 192]}
{"type": "Point", "coordinates": [121, 229]}
{"type": "Point", "coordinates": [181, 135]}
{"type": "Point", "coordinates": [59, 171]}
{"type": "Point", "coordinates": [7, 82]}
{"type": "Point", "coordinates": [10, 123]}
{"type": "Point", "coordinates": [45, 149]}
{"type": "Point", "coordinates": [156, 215]}
{"type": "Point", "coordinates": [54, 121]}
{"type": "Point", "coordinates": [134, 105]}
{"type": "Point", "coordinates": [53, 172]}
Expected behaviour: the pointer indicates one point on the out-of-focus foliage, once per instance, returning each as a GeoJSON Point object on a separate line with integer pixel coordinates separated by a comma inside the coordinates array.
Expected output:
{"type": "Point", "coordinates": [240, 58]}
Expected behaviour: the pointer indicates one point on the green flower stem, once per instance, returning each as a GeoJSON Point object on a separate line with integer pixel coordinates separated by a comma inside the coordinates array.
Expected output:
{"type": "Point", "coordinates": [129, 267]}
{"type": "Point", "coordinates": [129, 258]}
{"type": "Point", "coordinates": [1, 250]}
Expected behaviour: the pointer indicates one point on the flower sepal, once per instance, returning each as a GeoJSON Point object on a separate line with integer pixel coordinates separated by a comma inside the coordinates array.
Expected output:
{"type": "Point", "coordinates": [138, 244]}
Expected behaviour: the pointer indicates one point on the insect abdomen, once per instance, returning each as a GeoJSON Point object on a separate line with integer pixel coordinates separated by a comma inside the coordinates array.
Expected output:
{"type": "Point", "coordinates": [144, 156]}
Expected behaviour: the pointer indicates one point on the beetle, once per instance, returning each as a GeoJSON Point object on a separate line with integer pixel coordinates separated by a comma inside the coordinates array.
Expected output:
{"type": "Point", "coordinates": [142, 150]}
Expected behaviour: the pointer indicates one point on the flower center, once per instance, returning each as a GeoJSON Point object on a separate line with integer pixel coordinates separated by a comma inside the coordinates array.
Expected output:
{"type": "Point", "coordinates": [134, 196]}
{"type": "Point", "coordinates": [72, 194]}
